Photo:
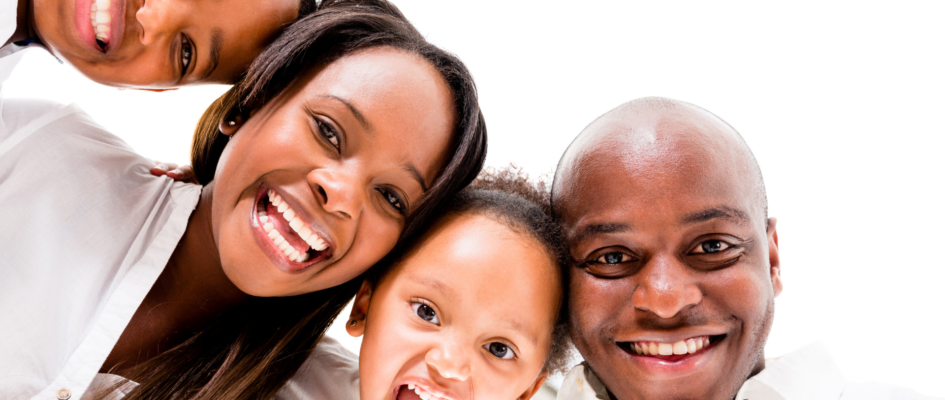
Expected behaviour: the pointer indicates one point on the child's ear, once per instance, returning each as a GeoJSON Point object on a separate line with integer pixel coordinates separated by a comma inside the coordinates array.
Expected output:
{"type": "Point", "coordinates": [362, 300]}
{"type": "Point", "coordinates": [534, 387]}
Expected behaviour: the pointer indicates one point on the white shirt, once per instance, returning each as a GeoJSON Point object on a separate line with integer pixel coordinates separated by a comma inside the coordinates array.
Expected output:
{"type": "Point", "coordinates": [805, 374]}
{"type": "Point", "coordinates": [84, 233]}
{"type": "Point", "coordinates": [331, 372]}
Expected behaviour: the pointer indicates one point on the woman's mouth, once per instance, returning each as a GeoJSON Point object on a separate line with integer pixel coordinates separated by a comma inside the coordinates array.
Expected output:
{"type": "Point", "coordinates": [671, 351]}
{"type": "Point", "coordinates": [296, 241]}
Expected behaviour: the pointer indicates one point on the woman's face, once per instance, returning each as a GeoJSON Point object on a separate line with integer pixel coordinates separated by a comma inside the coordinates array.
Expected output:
{"type": "Point", "coordinates": [468, 314]}
{"type": "Point", "coordinates": [313, 189]}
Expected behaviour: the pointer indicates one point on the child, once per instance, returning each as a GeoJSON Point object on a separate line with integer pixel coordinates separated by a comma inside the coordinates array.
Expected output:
{"type": "Point", "coordinates": [474, 306]}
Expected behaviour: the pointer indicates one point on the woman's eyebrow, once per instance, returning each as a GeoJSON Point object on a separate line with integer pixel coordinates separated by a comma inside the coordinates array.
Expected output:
{"type": "Point", "coordinates": [415, 174]}
{"type": "Point", "coordinates": [213, 59]}
{"type": "Point", "coordinates": [357, 114]}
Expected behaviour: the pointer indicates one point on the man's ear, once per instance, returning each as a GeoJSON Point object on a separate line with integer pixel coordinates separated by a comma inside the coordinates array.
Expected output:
{"type": "Point", "coordinates": [355, 324]}
{"type": "Point", "coordinates": [229, 125]}
{"type": "Point", "coordinates": [774, 257]}
{"type": "Point", "coordinates": [534, 387]}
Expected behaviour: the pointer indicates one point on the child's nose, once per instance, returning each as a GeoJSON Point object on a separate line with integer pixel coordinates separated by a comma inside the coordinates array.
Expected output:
{"type": "Point", "coordinates": [450, 361]}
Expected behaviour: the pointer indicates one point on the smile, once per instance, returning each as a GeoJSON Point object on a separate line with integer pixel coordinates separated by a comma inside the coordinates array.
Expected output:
{"type": "Point", "coordinates": [102, 27]}
{"type": "Point", "coordinates": [286, 231]}
{"type": "Point", "coordinates": [670, 351]}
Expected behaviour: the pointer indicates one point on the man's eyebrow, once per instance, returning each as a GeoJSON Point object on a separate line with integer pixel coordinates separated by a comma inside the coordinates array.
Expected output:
{"type": "Point", "coordinates": [216, 46]}
{"type": "Point", "coordinates": [711, 213]}
{"type": "Point", "coordinates": [357, 114]}
{"type": "Point", "coordinates": [600, 229]}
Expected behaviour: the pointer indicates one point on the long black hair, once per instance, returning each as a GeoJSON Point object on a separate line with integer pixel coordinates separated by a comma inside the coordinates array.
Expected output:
{"type": "Point", "coordinates": [250, 351]}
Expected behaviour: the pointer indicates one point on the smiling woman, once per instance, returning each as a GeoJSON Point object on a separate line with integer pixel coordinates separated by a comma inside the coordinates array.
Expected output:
{"type": "Point", "coordinates": [344, 137]}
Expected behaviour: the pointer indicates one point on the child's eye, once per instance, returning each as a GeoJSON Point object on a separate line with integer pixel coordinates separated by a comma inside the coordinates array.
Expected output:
{"type": "Point", "coordinates": [186, 53]}
{"type": "Point", "coordinates": [425, 313]}
{"type": "Point", "coordinates": [393, 199]}
{"type": "Point", "coordinates": [500, 350]}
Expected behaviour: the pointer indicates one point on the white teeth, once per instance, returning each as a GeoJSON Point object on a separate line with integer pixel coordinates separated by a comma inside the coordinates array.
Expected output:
{"type": "Point", "coordinates": [306, 233]}
{"type": "Point", "coordinates": [410, 386]}
{"type": "Point", "coordinates": [688, 346]}
{"type": "Point", "coordinates": [101, 19]}
{"type": "Point", "coordinates": [665, 349]}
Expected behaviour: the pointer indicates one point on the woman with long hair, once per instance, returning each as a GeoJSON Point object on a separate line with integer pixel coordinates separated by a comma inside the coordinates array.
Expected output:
{"type": "Point", "coordinates": [344, 137]}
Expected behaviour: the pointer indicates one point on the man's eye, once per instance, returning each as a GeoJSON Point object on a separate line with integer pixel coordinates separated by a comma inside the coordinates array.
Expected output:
{"type": "Point", "coordinates": [329, 133]}
{"type": "Point", "coordinates": [613, 257]}
{"type": "Point", "coordinates": [186, 53]}
{"type": "Point", "coordinates": [425, 313]}
{"type": "Point", "coordinates": [500, 350]}
{"type": "Point", "coordinates": [711, 246]}
{"type": "Point", "coordinates": [391, 198]}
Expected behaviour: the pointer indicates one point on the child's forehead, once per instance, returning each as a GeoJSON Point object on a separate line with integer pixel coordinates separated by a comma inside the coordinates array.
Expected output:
{"type": "Point", "coordinates": [476, 262]}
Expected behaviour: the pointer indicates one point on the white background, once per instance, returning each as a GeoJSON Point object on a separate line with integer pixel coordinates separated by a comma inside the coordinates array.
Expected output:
{"type": "Point", "coordinates": [842, 104]}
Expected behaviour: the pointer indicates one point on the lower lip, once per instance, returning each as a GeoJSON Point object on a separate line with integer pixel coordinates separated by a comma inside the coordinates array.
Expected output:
{"type": "Point", "coordinates": [686, 365]}
{"type": "Point", "coordinates": [83, 24]}
{"type": "Point", "coordinates": [275, 255]}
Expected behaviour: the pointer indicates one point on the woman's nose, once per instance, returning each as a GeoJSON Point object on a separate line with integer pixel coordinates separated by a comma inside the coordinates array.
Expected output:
{"type": "Point", "coordinates": [340, 193]}
{"type": "Point", "coordinates": [449, 360]}
{"type": "Point", "coordinates": [664, 287]}
{"type": "Point", "coordinates": [159, 18]}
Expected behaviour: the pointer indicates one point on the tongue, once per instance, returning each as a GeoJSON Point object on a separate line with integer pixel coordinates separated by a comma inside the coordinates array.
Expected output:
{"type": "Point", "coordinates": [281, 225]}
{"type": "Point", "coordinates": [406, 394]}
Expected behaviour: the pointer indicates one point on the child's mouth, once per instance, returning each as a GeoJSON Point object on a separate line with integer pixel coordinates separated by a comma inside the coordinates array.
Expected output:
{"type": "Point", "coordinates": [414, 392]}
{"type": "Point", "coordinates": [297, 242]}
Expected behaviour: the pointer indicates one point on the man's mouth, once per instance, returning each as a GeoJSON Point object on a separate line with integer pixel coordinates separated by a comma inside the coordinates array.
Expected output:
{"type": "Point", "coordinates": [674, 351]}
{"type": "Point", "coordinates": [296, 240]}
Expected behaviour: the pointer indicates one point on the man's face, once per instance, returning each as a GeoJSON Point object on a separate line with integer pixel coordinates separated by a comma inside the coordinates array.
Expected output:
{"type": "Point", "coordinates": [672, 290]}
{"type": "Point", "coordinates": [160, 43]}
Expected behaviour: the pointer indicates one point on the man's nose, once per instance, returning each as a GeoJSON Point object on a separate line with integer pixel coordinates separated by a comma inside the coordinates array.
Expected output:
{"type": "Point", "coordinates": [665, 287]}
{"type": "Point", "coordinates": [159, 18]}
{"type": "Point", "coordinates": [340, 192]}
{"type": "Point", "coordinates": [449, 360]}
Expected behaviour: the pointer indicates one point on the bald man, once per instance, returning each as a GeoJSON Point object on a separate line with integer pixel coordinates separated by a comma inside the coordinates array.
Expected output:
{"type": "Point", "coordinates": [676, 265]}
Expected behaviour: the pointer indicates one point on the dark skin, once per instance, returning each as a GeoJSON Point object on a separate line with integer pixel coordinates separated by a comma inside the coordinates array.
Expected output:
{"type": "Point", "coordinates": [156, 44]}
{"type": "Point", "coordinates": [347, 176]}
{"type": "Point", "coordinates": [671, 242]}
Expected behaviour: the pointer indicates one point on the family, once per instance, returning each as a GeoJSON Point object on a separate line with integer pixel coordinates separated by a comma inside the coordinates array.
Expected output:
{"type": "Point", "coordinates": [346, 164]}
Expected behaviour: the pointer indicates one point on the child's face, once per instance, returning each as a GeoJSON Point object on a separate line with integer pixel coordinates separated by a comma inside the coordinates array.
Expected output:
{"type": "Point", "coordinates": [160, 43]}
{"type": "Point", "coordinates": [468, 314]}
{"type": "Point", "coordinates": [314, 188]}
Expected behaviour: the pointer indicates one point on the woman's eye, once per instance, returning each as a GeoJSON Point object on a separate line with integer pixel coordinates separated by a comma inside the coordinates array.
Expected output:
{"type": "Point", "coordinates": [186, 54]}
{"type": "Point", "coordinates": [613, 257]}
{"type": "Point", "coordinates": [711, 246]}
{"type": "Point", "coordinates": [500, 350]}
{"type": "Point", "coordinates": [329, 133]}
{"type": "Point", "coordinates": [391, 198]}
{"type": "Point", "coordinates": [425, 313]}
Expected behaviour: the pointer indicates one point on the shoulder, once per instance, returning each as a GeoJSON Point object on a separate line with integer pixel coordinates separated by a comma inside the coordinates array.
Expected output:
{"type": "Point", "coordinates": [580, 383]}
{"type": "Point", "coordinates": [331, 372]}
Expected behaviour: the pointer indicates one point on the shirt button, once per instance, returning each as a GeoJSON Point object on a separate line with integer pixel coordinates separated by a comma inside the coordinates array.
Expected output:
{"type": "Point", "coordinates": [64, 394]}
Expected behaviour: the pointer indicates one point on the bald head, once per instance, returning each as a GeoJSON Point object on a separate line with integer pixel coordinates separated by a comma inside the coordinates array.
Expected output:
{"type": "Point", "coordinates": [660, 135]}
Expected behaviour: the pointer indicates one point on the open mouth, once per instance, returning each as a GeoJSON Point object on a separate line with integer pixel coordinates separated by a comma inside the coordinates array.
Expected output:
{"type": "Point", "coordinates": [288, 233]}
{"type": "Point", "coordinates": [416, 392]}
{"type": "Point", "coordinates": [671, 351]}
